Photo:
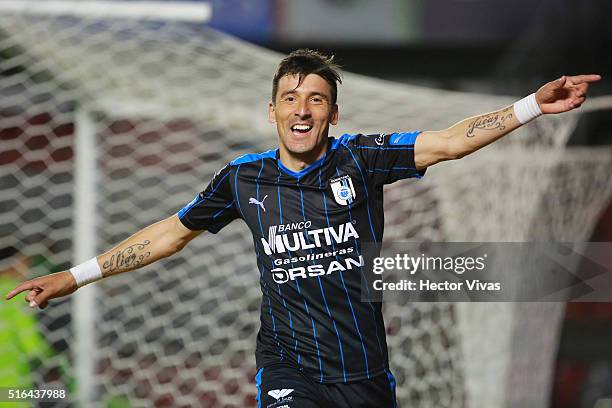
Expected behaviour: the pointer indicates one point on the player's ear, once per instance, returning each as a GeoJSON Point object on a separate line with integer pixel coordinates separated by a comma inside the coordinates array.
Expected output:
{"type": "Point", "coordinates": [271, 112]}
{"type": "Point", "coordinates": [334, 115]}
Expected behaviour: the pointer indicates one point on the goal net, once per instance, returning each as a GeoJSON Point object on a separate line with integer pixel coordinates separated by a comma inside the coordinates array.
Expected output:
{"type": "Point", "coordinates": [167, 104]}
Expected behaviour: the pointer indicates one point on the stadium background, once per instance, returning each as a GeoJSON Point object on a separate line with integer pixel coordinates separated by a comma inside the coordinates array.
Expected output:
{"type": "Point", "coordinates": [169, 101]}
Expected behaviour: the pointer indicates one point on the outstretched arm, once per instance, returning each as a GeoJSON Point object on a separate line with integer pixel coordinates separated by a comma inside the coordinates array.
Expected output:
{"type": "Point", "coordinates": [148, 245]}
{"type": "Point", "coordinates": [469, 135]}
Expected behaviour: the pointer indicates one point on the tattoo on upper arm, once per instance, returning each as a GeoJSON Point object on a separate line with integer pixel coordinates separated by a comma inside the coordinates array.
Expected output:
{"type": "Point", "coordinates": [491, 121]}
{"type": "Point", "coordinates": [132, 256]}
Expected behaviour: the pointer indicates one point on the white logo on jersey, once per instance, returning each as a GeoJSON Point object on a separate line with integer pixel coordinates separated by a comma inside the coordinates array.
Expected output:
{"type": "Point", "coordinates": [380, 139]}
{"type": "Point", "coordinates": [271, 240]}
{"type": "Point", "coordinates": [343, 190]}
{"type": "Point", "coordinates": [259, 203]}
{"type": "Point", "coordinates": [294, 241]}
{"type": "Point", "coordinates": [278, 394]}
{"type": "Point", "coordinates": [280, 275]}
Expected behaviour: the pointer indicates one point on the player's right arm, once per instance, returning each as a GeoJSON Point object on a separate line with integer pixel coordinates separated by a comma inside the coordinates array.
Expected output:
{"type": "Point", "coordinates": [148, 245]}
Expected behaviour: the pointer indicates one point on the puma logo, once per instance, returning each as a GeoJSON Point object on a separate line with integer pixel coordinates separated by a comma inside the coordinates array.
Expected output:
{"type": "Point", "coordinates": [259, 203]}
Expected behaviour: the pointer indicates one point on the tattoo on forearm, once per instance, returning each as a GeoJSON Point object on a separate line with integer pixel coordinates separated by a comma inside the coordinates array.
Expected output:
{"type": "Point", "coordinates": [493, 121]}
{"type": "Point", "coordinates": [132, 256]}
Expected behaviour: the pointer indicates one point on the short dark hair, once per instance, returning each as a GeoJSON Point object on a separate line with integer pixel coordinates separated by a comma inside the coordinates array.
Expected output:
{"type": "Point", "coordinates": [303, 62]}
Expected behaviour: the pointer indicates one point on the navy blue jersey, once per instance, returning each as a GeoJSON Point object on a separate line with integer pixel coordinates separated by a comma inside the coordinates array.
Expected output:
{"type": "Point", "coordinates": [309, 229]}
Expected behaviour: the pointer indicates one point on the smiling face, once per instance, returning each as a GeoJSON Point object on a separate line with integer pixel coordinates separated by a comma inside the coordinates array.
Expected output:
{"type": "Point", "coordinates": [302, 115]}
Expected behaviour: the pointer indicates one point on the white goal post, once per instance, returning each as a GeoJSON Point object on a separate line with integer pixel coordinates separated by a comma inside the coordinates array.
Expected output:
{"type": "Point", "coordinates": [139, 10]}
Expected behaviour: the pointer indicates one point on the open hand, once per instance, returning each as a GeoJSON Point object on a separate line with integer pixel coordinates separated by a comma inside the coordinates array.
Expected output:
{"type": "Point", "coordinates": [41, 290]}
{"type": "Point", "coordinates": [565, 93]}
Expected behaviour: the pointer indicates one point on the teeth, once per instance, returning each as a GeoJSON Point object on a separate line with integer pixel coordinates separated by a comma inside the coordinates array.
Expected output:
{"type": "Point", "coordinates": [301, 127]}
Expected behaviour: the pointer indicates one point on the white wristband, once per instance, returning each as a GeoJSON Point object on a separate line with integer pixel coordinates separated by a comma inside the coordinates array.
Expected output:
{"type": "Point", "coordinates": [86, 272]}
{"type": "Point", "coordinates": [527, 109]}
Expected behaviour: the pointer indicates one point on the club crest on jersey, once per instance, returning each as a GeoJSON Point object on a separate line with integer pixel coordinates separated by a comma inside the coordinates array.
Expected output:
{"type": "Point", "coordinates": [342, 187]}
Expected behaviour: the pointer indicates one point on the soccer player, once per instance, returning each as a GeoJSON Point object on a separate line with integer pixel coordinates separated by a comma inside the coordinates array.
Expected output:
{"type": "Point", "coordinates": [312, 205]}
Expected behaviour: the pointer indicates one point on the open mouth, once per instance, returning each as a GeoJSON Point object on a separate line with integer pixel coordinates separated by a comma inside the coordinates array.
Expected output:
{"type": "Point", "coordinates": [301, 128]}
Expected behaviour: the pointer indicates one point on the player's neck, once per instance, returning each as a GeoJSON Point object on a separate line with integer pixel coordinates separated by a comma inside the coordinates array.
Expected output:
{"type": "Point", "coordinates": [299, 161]}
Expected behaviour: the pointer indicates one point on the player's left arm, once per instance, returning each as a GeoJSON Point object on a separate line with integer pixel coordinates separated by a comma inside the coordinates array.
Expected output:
{"type": "Point", "coordinates": [471, 134]}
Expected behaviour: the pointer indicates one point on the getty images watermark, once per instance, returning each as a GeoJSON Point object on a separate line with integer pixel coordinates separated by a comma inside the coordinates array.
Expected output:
{"type": "Point", "coordinates": [483, 272]}
{"type": "Point", "coordinates": [411, 265]}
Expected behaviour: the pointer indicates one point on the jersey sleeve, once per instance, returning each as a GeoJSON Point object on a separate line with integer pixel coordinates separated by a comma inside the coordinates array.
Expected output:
{"type": "Point", "coordinates": [213, 208]}
{"type": "Point", "coordinates": [388, 157]}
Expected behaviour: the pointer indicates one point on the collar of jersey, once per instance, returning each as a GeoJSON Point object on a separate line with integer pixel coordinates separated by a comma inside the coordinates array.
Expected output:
{"type": "Point", "coordinates": [307, 169]}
